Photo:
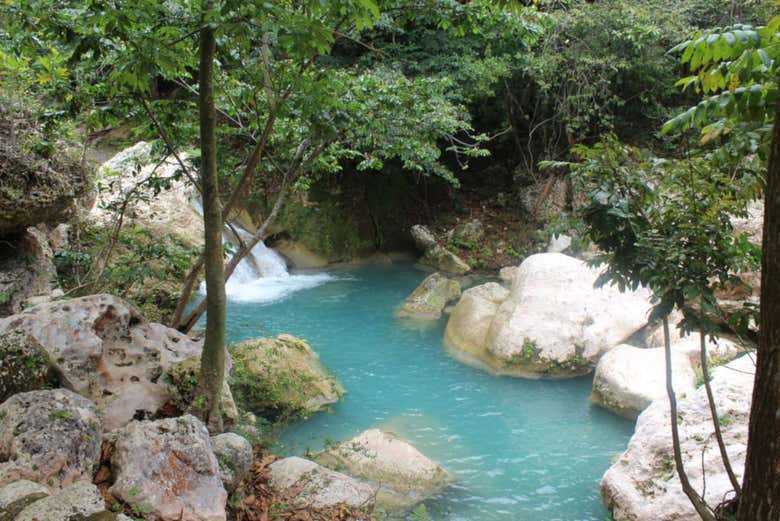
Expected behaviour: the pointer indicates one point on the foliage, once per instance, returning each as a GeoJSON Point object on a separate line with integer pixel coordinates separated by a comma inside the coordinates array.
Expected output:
{"type": "Point", "coordinates": [666, 224]}
{"type": "Point", "coordinates": [735, 68]}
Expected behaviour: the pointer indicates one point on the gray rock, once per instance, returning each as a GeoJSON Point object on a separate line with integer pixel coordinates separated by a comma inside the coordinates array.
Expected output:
{"type": "Point", "coordinates": [167, 467]}
{"type": "Point", "coordinates": [469, 232]}
{"type": "Point", "coordinates": [102, 348]}
{"type": "Point", "coordinates": [26, 270]}
{"type": "Point", "coordinates": [24, 364]}
{"type": "Point", "coordinates": [442, 259]}
{"type": "Point", "coordinates": [50, 437]}
{"type": "Point", "coordinates": [183, 378]}
{"type": "Point", "coordinates": [429, 298]}
{"type": "Point", "coordinates": [17, 495]}
{"type": "Point", "coordinates": [308, 484]}
{"type": "Point", "coordinates": [79, 502]}
{"type": "Point", "coordinates": [234, 454]}
{"type": "Point", "coordinates": [424, 238]}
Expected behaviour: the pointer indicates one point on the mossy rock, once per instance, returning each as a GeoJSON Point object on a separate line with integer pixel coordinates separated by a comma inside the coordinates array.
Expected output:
{"type": "Point", "coordinates": [281, 378]}
{"type": "Point", "coordinates": [183, 379]}
{"type": "Point", "coordinates": [24, 365]}
{"type": "Point", "coordinates": [429, 298]}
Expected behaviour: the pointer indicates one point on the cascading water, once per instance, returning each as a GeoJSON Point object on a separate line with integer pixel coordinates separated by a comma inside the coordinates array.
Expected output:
{"type": "Point", "coordinates": [262, 274]}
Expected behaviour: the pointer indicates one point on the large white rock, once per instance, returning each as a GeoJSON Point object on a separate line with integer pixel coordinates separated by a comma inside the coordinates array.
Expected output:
{"type": "Point", "coordinates": [628, 379]}
{"type": "Point", "coordinates": [168, 212]}
{"type": "Point", "coordinates": [168, 468]}
{"type": "Point", "coordinates": [102, 348]}
{"type": "Point", "coordinates": [307, 484]}
{"type": "Point", "coordinates": [555, 322]}
{"type": "Point", "coordinates": [403, 475]}
{"type": "Point", "coordinates": [50, 437]}
{"type": "Point", "coordinates": [642, 485]}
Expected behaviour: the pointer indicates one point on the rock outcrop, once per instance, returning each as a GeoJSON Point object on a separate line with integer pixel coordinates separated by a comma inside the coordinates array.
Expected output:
{"type": "Point", "coordinates": [470, 320]}
{"type": "Point", "coordinates": [298, 255]}
{"type": "Point", "coordinates": [234, 454]}
{"type": "Point", "coordinates": [435, 255]}
{"type": "Point", "coordinates": [628, 379]}
{"type": "Point", "coordinates": [402, 475]}
{"type": "Point", "coordinates": [168, 469]}
{"type": "Point", "coordinates": [429, 298]}
{"type": "Point", "coordinates": [102, 348]}
{"type": "Point", "coordinates": [642, 485]}
{"type": "Point", "coordinates": [79, 502]}
{"type": "Point", "coordinates": [280, 377]}
{"type": "Point", "coordinates": [182, 378]}
{"type": "Point", "coordinates": [554, 321]}
{"type": "Point", "coordinates": [467, 233]}
{"type": "Point", "coordinates": [49, 437]}
{"type": "Point", "coordinates": [36, 188]}
{"type": "Point", "coordinates": [171, 211]}
{"type": "Point", "coordinates": [307, 484]}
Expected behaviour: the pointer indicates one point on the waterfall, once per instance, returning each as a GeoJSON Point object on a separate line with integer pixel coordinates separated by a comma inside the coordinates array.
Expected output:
{"type": "Point", "coordinates": [262, 274]}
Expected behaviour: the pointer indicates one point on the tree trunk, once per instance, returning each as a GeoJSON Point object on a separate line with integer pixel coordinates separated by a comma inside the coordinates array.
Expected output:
{"type": "Point", "coordinates": [760, 499]}
{"type": "Point", "coordinates": [696, 500]}
{"type": "Point", "coordinates": [212, 367]}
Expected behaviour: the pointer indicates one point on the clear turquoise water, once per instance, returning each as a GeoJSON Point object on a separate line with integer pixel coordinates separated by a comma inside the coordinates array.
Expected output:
{"type": "Point", "coordinates": [521, 450]}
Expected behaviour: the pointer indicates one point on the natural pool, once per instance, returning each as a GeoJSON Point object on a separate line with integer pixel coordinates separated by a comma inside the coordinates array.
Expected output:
{"type": "Point", "coordinates": [521, 450]}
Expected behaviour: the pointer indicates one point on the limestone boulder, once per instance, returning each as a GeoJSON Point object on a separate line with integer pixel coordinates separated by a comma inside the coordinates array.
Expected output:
{"type": "Point", "coordinates": [642, 485]}
{"type": "Point", "coordinates": [429, 298]}
{"type": "Point", "coordinates": [554, 321]}
{"type": "Point", "coordinates": [24, 364]}
{"type": "Point", "coordinates": [719, 350]}
{"type": "Point", "coordinates": [171, 211]}
{"type": "Point", "coordinates": [80, 502]}
{"type": "Point", "coordinates": [307, 484]}
{"type": "Point", "coordinates": [559, 243]}
{"type": "Point", "coordinates": [423, 238]}
{"type": "Point", "coordinates": [49, 437]}
{"type": "Point", "coordinates": [628, 379]}
{"type": "Point", "coordinates": [234, 454]}
{"type": "Point", "coordinates": [402, 475]}
{"type": "Point", "coordinates": [280, 377]}
{"type": "Point", "coordinates": [102, 348]}
{"type": "Point", "coordinates": [440, 258]}
{"type": "Point", "coordinates": [167, 468]}
{"type": "Point", "coordinates": [15, 496]}
{"type": "Point", "coordinates": [469, 322]}
{"type": "Point", "coordinates": [507, 274]}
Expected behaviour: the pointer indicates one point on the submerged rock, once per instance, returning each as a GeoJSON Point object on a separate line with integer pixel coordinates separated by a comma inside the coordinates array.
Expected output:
{"type": "Point", "coordinates": [402, 475]}
{"type": "Point", "coordinates": [308, 485]}
{"type": "Point", "coordinates": [24, 364]}
{"type": "Point", "coordinates": [102, 348]}
{"type": "Point", "coordinates": [554, 322]}
{"type": "Point", "coordinates": [17, 495]}
{"type": "Point", "coordinates": [234, 454]}
{"type": "Point", "coordinates": [167, 468]}
{"type": "Point", "coordinates": [642, 485]}
{"type": "Point", "coordinates": [628, 379]}
{"type": "Point", "coordinates": [429, 298]}
{"type": "Point", "coordinates": [281, 376]}
{"type": "Point", "coordinates": [50, 437]}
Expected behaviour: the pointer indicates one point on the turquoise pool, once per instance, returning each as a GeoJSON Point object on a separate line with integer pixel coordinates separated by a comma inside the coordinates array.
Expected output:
{"type": "Point", "coordinates": [521, 450]}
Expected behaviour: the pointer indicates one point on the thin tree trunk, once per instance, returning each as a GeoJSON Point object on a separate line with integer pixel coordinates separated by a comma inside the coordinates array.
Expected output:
{"type": "Point", "coordinates": [212, 367]}
{"type": "Point", "coordinates": [760, 500]}
{"type": "Point", "coordinates": [714, 413]}
{"type": "Point", "coordinates": [696, 500]}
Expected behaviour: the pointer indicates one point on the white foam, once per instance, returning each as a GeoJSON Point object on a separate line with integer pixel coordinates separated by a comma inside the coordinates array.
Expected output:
{"type": "Point", "coordinates": [272, 289]}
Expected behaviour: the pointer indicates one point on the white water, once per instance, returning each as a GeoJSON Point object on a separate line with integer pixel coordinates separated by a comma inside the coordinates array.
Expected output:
{"type": "Point", "coordinates": [262, 274]}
